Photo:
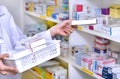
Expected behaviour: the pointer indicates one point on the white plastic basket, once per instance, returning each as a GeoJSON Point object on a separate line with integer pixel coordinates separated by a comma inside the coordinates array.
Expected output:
{"type": "Point", "coordinates": [33, 59]}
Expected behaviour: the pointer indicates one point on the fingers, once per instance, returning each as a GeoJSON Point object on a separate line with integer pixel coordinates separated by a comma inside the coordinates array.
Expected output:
{"type": "Point", "coordinates": [66, 31]}
{"type": "Point", "coordinates": [63, 29]}
{"type": "Point", "coordinates": [66, 23]}
{"type": "Point", "coordinates": [4, 56]}
{"type": "Point", "coordinates": [6, 73]}
{"type": "Point", "coordinates": [69, 28]}
{"type": "Point", "coordinates": [8, 70]}
{"type": "Point", "coordinates": [5, 69]}
{"type": "Point", "coordinates": [75, 27]}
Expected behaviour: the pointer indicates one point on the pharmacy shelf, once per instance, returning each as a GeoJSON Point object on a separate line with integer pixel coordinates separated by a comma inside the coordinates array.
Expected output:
{"type": "Point", "coordinates": [30, 74]}
{"type": "Point", "coordinates": [87, 71]}
{"type": "Point", "coordinates": [69, 60]}
{"type": "Point", "coordinates": [65, 59]}
{"type": "Point", "coordinates": [42, 17]}
{"type": "Point", "coordinates": [112, 38]}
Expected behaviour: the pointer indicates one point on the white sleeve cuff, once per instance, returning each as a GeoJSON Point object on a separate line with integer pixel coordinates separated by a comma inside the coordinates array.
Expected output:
{"type": "Point", "coordinates": [45, 34]}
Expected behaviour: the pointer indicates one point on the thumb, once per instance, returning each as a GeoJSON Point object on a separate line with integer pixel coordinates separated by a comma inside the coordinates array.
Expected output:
{"type": "Point", "coordinates": [4, 56]}
{"type": "Point", "coordinates": [66, 22]}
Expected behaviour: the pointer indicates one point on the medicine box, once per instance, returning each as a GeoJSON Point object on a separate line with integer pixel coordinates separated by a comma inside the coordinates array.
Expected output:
{"type": "Point", "coordinates": [112, 30]}
{"type": "Point", "coordinates": [115, 11]}
{"type": "Point", "coordinates": [84, 22]}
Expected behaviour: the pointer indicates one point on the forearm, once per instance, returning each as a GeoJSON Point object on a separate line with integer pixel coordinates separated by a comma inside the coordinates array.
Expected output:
{"type": "Point", "coordinates": [53, 32]}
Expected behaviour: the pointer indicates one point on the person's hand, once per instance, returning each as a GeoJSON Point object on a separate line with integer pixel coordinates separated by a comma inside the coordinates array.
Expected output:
{"type": "Point", "coordinates": [63, 29]}
{"type": "Point", "coordinates": [4, 70]}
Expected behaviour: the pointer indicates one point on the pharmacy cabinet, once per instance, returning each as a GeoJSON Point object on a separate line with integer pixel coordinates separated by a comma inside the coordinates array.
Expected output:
{"type": "Point", "coordinates": [80, 10]}
{"type": "Point", "coordinates": [30, 74]}
{"type": "Point", "coordinates": [77, 73]}
{"type": "Point", "coordinates": [87, 9]}
{"type": "Point", "coordinates": [47, 70]}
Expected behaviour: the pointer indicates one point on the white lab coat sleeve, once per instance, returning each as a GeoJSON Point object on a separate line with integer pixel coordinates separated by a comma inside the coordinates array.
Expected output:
{"type": "Point", "coordinates": [17, 34]}
{"type": "Point", "coordinates": [16, 31]}
{"type": "Point", "coordinates": [1, 39]}
{"type": "Point", "coordinates": [45, 34]}
{"type": "Point", "coordinates": [9, 31]}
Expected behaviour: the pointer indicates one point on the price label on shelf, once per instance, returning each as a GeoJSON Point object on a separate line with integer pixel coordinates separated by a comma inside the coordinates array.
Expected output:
{"type": "Point", "coordinates": [87, 71]}
{"type": "Point", "coordinates": [43, 17]}
{"type": "Point", "coordinates": [80, 28]}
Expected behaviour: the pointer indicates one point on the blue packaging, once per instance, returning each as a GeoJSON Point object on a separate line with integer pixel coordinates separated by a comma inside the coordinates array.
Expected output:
{"type": "Point", "coordinates": [54, 15]}
{"type": "Point", "coordinates": [100, 51]}
{"type": "Point", "coordinates": [65, 1]}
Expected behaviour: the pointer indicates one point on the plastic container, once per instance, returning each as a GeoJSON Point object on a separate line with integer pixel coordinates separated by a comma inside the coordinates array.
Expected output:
{"type": "Point", "coordinates": [29, 60]}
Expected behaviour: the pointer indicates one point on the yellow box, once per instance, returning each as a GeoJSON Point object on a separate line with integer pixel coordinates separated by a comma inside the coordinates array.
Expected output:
{"type": "Point", "coordinates": [115, 11]}
{"type": "Point", "coordinates": [30, 74]}
{"type": "Point", "coordinates": [41, 71]}
{"type": "Point", "coordinates": [50, 10]}
{"type": "Point", "coordinates": [49, 75]}
{"type": "Point", "coordinates": [49, 13]}
{"type": "Point", "coordinates": [87, 71]}
{"type": "Point", "coordinates": [80, 28]}
{"type": "Point", "coordinates": [31, 7]}
{"type": "Point", "coordinates": [37, 69]}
